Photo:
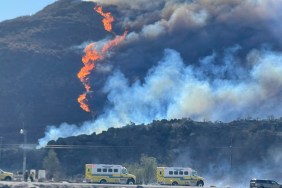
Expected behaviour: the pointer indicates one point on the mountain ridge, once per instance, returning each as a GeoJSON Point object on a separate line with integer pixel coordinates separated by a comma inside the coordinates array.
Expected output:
{"type": "Point", "coordinates": [38, 80]}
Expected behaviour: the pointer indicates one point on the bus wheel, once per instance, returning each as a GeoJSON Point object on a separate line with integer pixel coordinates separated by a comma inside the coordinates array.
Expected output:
{"type": "Point", "coordinates": [200, 184]}
{"type": "Point", "coordinates": [130, 182]}
{"type": "Point", "coordinates": [8, 178]}
{"type": "Point", "coordinates": [103, 181]}
{"type": "Point", "coordinates": [174, 183]}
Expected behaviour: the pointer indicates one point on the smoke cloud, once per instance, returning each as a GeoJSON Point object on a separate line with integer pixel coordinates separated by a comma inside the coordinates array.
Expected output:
{"type": "Point", "coordinates": [205, 60]}
{"type": "Point", "coordinates": [220, 174]}
{"type": "Point", "coordinates": [173, 90]}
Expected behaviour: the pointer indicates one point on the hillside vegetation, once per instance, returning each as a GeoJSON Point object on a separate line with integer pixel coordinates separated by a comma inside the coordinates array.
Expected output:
{"type": "Point", "coordinates": [205, 146]}
{"type": "Point", "coordinates": [39, 59]}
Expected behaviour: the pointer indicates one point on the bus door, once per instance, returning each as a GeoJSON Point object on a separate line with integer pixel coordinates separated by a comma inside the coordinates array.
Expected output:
{"type": "Point", "coordinates": [88, 170]}
{"type": "Point", "coordinates": [193, 180]}
{"type": "Point", "coordinates": [160, 176]}
{"type": "Point", "coordinates": [123, 176]}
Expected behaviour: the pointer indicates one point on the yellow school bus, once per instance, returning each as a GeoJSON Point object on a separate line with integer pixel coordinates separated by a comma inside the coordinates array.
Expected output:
{"type": "Point", "coordinates": [104, 173]}
{"type": "Point", "coordinates": [179, 176]}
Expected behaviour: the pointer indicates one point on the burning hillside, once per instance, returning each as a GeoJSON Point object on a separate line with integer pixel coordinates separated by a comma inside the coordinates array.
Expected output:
{"type": "Point", "coordinates": [216, 61]}
{"type": "Point", "coordinates": [92, 55]}
{"type": "Point", "coordinates": [137, 62]}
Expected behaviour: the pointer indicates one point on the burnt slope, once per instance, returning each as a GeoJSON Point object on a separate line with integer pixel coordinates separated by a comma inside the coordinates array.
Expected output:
{"type": "Point", "coordinates": [39, 63]}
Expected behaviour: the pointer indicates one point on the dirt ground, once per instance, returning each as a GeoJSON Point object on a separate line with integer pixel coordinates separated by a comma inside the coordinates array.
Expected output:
{"type": "Point", "coordinates": [6, 184]}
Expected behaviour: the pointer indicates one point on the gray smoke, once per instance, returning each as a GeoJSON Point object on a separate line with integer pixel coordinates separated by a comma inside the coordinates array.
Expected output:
{"type": "Point", "coordinates": [219, 173]}
{"type": "Point", "coordinates": [205, 60]}
{"type": "Point", "coordinates": [173, 90]}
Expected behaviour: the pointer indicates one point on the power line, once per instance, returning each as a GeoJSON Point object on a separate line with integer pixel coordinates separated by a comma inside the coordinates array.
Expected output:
{"type": "Point", "coordinates": [55, 146]}
{"type": "Point", "coordinates": [83, 146]}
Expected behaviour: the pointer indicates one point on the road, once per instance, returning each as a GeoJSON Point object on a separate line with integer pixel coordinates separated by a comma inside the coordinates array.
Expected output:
{"type": "Point", "coordinates": [6, 184]}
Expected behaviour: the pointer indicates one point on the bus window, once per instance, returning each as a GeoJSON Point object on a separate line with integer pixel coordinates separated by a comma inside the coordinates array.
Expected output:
{"type": "Point", "coordinates": [180, 172]}
{"type": "Point", "coordinates": [110, 170]}
{"type": "Point", "coordinates": [104, 170]}
{"type": "Point", "coordinates": [99, 170]}
{"type": "Point", "coordinates": [186, 173]}
{"type": "Point", "coordinates": [116, 170]}
{"type": "Point", "coordinates": [175, 172]}
{"type": "Point", "coordinates": [274, 183]}
{"type": "Point", "coordinates": [124, 171]}
{"type": "Point", "coordinates": [170, 172]}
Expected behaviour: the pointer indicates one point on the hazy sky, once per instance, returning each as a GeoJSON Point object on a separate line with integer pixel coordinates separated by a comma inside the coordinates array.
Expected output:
{"type": "Point", "coordinates": [13, 8]}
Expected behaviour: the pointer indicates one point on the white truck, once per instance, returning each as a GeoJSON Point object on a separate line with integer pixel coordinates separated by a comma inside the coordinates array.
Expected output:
{"type": "Point", "coordinates": [105, 173]}
{"type": "Point", "coordinates": [179, 176]}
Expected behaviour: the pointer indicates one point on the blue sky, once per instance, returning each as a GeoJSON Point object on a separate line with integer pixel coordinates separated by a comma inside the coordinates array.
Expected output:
{"type": "Point", "coordinates": [13, 8]}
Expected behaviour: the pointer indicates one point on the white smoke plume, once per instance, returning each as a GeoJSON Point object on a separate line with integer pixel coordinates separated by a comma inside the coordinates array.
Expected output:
{"type": "Point", "coordinates": [219, 174]}
{"type": "Point", "coordinates": [171, 89]}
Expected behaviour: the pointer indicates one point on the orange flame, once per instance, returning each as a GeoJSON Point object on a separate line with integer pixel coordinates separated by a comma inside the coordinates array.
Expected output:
{"type": "Point", "coordinates": [82, 100]}
{"type": "Point", "coordinates": [92, 55]}
{"type": "Point", "coordinates": [114, 42]}
{"type": "Point", "coordinates": [89, 64]}
{"type": "Point", "coordinates": [107, 20]}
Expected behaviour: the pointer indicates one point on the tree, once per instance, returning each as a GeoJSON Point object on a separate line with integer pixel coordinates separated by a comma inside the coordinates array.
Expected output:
{"type": "Point", "coordinates": [149, 164]}
{"type": "Point", "coordinates": [145, 171]}
{"type": "Point", "coordinates": [52, 165]}
{"type": "Point", "coordinates": [137, 170]}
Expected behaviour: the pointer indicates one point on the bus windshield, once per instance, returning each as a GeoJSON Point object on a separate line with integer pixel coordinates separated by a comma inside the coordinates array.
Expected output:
{"type": "Point", "coordinates": [194, 173]}
{"type": "Point", "coordinates": [124, 171]}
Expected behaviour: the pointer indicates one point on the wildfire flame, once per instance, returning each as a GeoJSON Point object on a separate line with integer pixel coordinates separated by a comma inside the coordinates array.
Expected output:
{"type": "Point", "coordinates": [83, 102]}
{"type": "Point", "coordinates": [89, 59]}
{"type": "Point", "coordinates": [112, 43]}
{"type": "Point", "coordinates": [107, 20]}
{"type": "Point", "coordinates": [92, 56]}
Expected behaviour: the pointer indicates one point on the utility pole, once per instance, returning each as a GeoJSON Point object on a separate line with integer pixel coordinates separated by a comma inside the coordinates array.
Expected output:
{"type": "Point", "coordinates": [230, 148]}
{"type": "Point", "coordinates": [1, 142]}
{"type": "Point", "coordinates": [24, 133]}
